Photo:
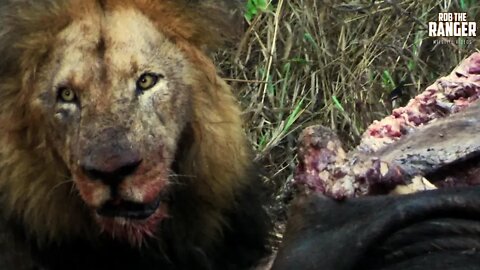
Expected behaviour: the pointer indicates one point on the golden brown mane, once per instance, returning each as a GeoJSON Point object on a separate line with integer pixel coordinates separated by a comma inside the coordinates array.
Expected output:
{"type": "Point", "coordinates": [34, 183]}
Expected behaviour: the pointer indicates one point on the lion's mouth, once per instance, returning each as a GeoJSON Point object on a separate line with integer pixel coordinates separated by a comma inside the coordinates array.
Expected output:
{"type": "Point", "coordinates": [129, 210]}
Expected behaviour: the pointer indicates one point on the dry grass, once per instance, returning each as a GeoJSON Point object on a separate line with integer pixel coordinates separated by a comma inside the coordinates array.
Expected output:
{"type": "Point", "coordinates": [333, 63]}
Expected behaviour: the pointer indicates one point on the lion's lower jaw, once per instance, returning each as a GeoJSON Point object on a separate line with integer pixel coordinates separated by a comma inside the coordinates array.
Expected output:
{"type": "Point", "coordinates": [135, 232]}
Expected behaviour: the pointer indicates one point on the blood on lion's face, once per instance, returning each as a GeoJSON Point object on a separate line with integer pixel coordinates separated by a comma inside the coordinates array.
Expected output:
{"type": "Point", "coordinates": [116, 93]}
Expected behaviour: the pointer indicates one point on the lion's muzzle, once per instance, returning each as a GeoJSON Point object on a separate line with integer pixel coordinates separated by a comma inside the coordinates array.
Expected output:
{"type": "Point", "coordinates": [114, 178]}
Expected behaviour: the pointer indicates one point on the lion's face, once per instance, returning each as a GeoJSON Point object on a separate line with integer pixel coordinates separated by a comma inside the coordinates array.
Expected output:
{"type": "Point", "coordinates": [116, 95]}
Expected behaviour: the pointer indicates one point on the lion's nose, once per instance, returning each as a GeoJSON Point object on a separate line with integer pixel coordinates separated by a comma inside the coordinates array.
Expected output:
{"type": "Point", "coordinates": [111, 168]}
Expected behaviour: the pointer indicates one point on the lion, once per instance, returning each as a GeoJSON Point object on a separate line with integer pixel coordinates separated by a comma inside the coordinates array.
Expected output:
{"type": "Point", "coordinates": [120, 145]}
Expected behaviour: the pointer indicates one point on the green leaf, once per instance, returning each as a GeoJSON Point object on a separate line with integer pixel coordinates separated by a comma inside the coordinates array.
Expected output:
{"type": "Point", "coordinates": [294, 115]}
{"type": "Point", "coordinates": [251, 10]}
{"type": "Point", "coordinates": [308, 37]}
{"type": "Point", "coordinates": [411, 65]}
{"type": "Point", "coordinates": [387, 79]}
{"type": "Point", "coordinates": [270, 86]}
{"type": "Point", "coordinates": [262, 5]}
{"type": "Point", "coordinates": [337, 103]}
{"type": "Point", "coordinates": [254, 7]}
{"type": "Point", "coordinates": [463, 5]}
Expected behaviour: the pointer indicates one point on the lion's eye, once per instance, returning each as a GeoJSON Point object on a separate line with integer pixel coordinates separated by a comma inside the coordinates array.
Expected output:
{"type": "Point", "coordinates": [66, 94]}
{"type": "Point", "coordinates": [147, 81]}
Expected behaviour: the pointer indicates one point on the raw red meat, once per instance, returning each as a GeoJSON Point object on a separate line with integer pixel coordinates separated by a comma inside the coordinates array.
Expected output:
{"type": "Point", "coordinates": [426, 138]}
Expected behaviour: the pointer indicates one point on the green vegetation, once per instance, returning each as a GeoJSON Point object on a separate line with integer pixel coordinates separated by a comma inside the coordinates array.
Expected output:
{"type": "Point", "coordinates": [333, 63]}
{"type": "Point", "coordinates": [254, 7]}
